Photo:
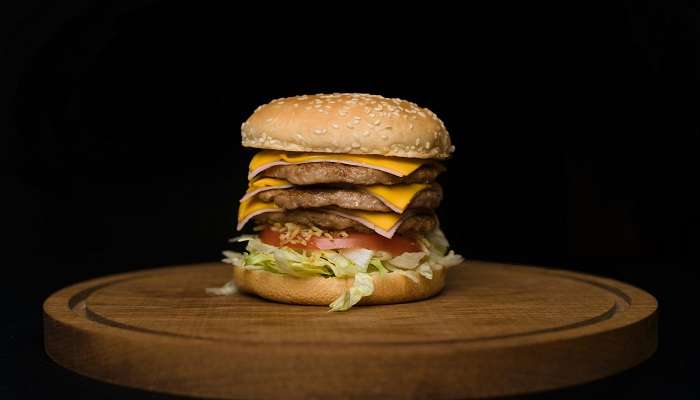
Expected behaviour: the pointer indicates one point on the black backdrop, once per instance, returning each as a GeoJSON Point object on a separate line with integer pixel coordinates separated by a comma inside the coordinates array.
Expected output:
{"type": "Point", "coordinates": [572, 127]}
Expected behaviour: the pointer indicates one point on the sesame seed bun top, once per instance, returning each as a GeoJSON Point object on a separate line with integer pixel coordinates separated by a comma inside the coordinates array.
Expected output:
{"type": "Point", "coordinates": [347, 123]}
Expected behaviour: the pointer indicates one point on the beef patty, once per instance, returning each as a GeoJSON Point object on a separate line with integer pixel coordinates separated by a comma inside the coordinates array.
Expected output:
{"type": "Point", "coordinates": [330, 172]}
{"type": "Point", "coordinates": [415, 223]}
{"type": "Point", "coordinates": [294, 198]}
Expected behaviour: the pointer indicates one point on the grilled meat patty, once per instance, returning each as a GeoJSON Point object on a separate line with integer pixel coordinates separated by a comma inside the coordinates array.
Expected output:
{"type": "Point", "coordinates": [415, 223]}
{"type": "Point", "coordinates": [329, 172]}
{"type": "Point", "coordinates": [294, 198]}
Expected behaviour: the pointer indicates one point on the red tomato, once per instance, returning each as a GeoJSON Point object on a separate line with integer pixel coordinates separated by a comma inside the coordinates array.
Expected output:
{"type": "Point", "coordinates": [355, 240]}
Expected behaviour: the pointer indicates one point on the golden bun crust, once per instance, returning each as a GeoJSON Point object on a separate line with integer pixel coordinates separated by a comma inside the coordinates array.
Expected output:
{"type": "Point", "coordinates": [348, 123]}
{"type": "Point", "coordinates": [390, 288]}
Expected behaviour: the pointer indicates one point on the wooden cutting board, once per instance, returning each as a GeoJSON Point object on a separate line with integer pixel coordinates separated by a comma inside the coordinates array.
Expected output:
{"type": "Point", "coordinates": [495, 330]}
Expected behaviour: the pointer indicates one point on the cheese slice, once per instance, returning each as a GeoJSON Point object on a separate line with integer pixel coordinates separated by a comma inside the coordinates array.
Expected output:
{"type": "Point", "coordinates": [259, 185]}
{"type": "Point", "coordinates": [382, 220]}
{"type": "Point", "coordinates": [384, 223]}
{"type": "Point", "coordinates": [396, 197]}
{"type": "Point", "coordinates": [398, 166]}
{"type": "Point", "coordinates": [252, 207]}
{"type": "Point", "coordinates": [267, 182]}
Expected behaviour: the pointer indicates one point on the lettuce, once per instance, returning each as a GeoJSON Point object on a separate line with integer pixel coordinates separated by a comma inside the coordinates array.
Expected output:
{"type": "Point", "coordinates": [412, 275]}
{"type": "Point", "coordinates": [408, 260]}
{"type": "Point", "coordinates": [359, 257]}
{"type": "Point", "coordinates": [341, 266]}
{"type": "Point", "coordinates": [344, 263]}
{"type": "Point", "coordinates": [426, 270]}
{"type": "Point", "coordinates": [449, 260]}
{"type": "Point", "coordinates": [435, 244]}
{"type": "Point", "coordinates": [228, 289]}
{"type": "Point", "coordinates": [362, 286]}
{"type": "Point", "coordinates": [234, 258]}
{"type": "Point", "coordinates": [378, 265]}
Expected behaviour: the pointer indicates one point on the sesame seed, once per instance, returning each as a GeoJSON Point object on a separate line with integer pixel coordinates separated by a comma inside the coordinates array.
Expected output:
{"type": "Point", "coordinates": [320, 131]}
{"type": "Point", "coordinates": [410, 127]}
{"type": "Point", "coordinates": [427, 145]}
{"type": "Point", "coordinates": [365, 133]}
{"type": "Point", "coordinates": [349, 125]}
{"type": "Point", "coordinates": [377, 122]}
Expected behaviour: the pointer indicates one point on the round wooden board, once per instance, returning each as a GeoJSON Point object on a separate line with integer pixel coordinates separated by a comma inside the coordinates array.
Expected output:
{"type": "Point", "coordinates": [495, 330]}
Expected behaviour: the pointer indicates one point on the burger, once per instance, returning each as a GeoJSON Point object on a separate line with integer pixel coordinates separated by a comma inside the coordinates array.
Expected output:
{"type": "Point", "coordinates": [342, 197]}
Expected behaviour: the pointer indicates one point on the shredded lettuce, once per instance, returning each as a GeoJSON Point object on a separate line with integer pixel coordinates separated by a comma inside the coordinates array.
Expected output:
{"type": "Point", "coordinates": [346, 263]}
{"type": "Point", "coordinates": [425, 270]}
{"type": "Point", "coordinates": [378, 265]}
{"type": "Point", "coordinates": [408, 260]}
{"type": "Point", "coordinates": [234, 258]}
{"type": "Point", "coordinates": [450, 259]}
{"type": "Point", "coordinates": [228, 289]}
{"type": "Point", "coordinates": [412, 275]}
{"type": "Point", "coordinates": [359, 257]}
{"type": "Point", "coordinates": [362, 286]}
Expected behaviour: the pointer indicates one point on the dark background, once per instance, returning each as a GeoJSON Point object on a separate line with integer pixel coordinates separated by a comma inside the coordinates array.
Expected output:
{"type": "Point", "coordinates": [573, 130]}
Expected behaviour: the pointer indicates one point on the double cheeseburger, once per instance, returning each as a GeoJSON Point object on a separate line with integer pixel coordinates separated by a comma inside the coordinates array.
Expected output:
{"type": "Point", "coordinates": [341, 197]}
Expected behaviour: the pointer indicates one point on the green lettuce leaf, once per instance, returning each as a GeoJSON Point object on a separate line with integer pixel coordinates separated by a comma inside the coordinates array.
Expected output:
{"type": "Point", "coordinates": [345, 263]}
{"type": "Point", "coordinates": [362, 286]}
{"type": "Point", "coordinates": [408, 260]}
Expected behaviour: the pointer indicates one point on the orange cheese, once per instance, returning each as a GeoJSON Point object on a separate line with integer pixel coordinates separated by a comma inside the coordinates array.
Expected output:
{"type": "Point", "coordinates": [252, 206]}
{"type": "Point", "coordinates": [399, 196]}
{"type": "Point", "coordinates": [382, 220]}
{"type": "Point", "coordinates": [398, 166]}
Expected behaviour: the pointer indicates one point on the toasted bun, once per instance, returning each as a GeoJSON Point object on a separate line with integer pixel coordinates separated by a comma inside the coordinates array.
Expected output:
{"type": "Point", "coordinates": [347, 123]}
{"type": "Point", "coordinates": [388, 289]}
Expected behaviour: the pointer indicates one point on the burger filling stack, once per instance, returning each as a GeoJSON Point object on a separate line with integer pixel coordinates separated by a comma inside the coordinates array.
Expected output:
{"type": "Point", "coordinates": [341, 198]}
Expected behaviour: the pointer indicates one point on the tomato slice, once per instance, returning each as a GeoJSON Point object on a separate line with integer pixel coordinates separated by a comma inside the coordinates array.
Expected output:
{"type": "Point", "coordinates": [355, 240]}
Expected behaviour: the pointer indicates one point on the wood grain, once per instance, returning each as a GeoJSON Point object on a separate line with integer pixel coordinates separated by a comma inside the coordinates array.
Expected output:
{"type": "Point", "coordinates": [495, 330]}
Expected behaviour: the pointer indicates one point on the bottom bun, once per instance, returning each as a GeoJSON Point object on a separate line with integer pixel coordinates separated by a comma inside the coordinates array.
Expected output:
{"type": "Point", "coordinates": [389, 288]}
